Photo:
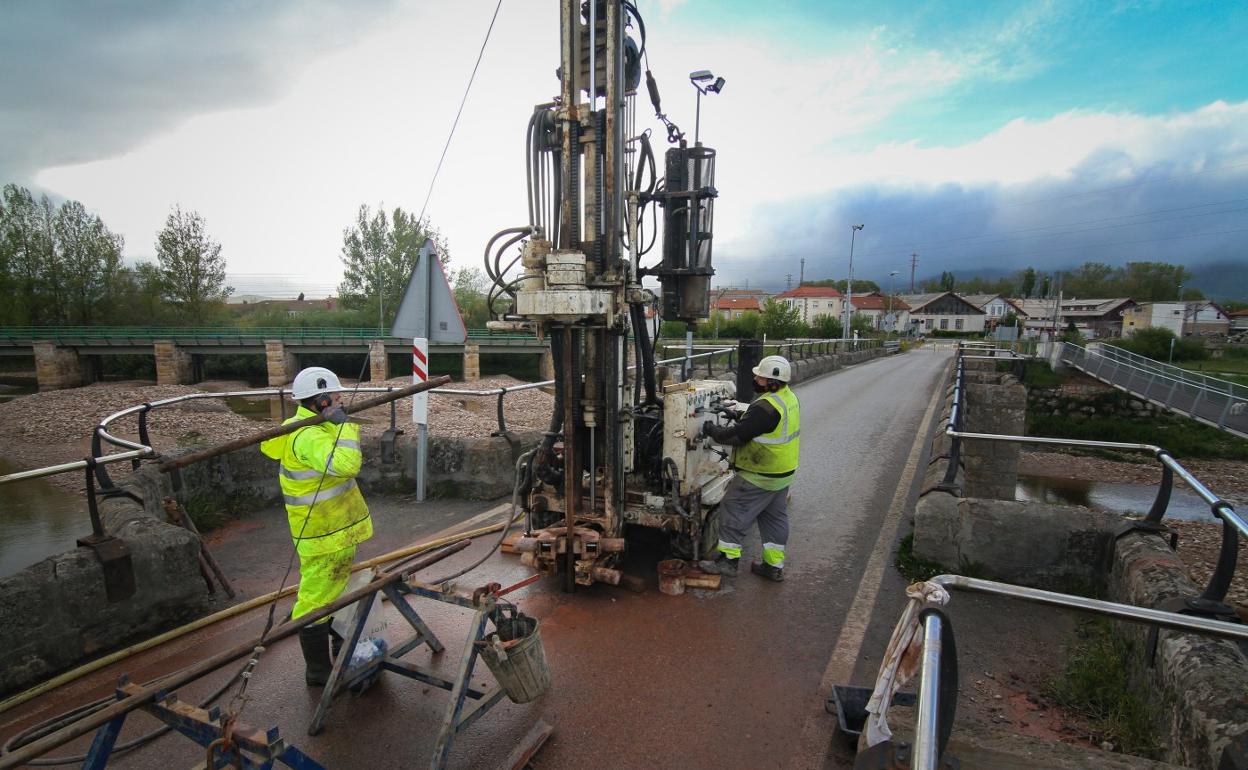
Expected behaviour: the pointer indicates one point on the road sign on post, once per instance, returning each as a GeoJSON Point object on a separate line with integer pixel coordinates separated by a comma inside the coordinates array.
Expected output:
{"type": "Point", "coordinates": [427, 313]}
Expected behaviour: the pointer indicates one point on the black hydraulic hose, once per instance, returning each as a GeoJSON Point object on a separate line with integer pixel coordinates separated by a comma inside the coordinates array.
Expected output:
{"type": "Point", "coordinates": [499, 272]}
{"type": "Point", "coordinates": [546, 452]}
{"type": "Point", "coordinates": [646, 361]}
{"type": "Point", "coordinates": [528, 166]}
{"type": "Point", "coordinates": [490, 245]}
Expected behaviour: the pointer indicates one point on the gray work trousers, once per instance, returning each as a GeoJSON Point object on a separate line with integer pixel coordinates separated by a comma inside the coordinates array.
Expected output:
{"type": "Point", "coordinates": [742, 505]}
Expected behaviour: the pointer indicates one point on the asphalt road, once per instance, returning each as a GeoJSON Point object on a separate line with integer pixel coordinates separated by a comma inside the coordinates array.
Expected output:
{"type": "Point", "coordinates": [734, 678]}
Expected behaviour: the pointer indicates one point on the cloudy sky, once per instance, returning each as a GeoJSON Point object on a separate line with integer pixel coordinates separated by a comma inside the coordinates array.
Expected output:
{"type": "Point", "coordinates": [984, 136]}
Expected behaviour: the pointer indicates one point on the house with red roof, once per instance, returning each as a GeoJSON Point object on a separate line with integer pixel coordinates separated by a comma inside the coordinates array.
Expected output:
{"type": "Point", "coordinates": [814, 301]}
{"type": "Point", "coordinates": [879, 308]}
{"type": "Point", "coordinates": [733, 307]}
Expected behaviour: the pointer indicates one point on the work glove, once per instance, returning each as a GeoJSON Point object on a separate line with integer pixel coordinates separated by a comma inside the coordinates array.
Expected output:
{"type": "Point", "coordinates": [731, 408]}
{"type": "Point", "coordinates": [716, 432]}
{"type": "Point", "coordinates": [337, 415]}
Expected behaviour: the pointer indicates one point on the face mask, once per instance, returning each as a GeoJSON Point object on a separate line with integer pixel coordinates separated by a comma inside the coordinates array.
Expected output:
{"type": "Point", "coordinates": [759, 388]}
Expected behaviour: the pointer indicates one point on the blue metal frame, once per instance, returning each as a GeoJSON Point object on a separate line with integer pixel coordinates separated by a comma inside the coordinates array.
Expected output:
{"type": "Point", "coordinates": [252, 749]}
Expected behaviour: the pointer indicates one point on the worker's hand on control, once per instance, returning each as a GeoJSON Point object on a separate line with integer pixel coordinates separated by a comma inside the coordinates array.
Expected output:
{"type": "Point", "coordinates": [716, 432]}
{"type": "Point", "coordinates": [733, 409]}
{"type": "Point", "coordinates": [335, 414]}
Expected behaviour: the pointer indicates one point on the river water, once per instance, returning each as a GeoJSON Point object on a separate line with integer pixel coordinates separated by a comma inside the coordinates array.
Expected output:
{"type": "Point", "coordinates": [1120, 498]}
{"type": "Point", "coordinates": [37, 520]}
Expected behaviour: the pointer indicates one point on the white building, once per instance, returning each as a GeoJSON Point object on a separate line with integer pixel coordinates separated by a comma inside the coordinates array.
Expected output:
{"type": "Point", "coordinates": [814, 301]}
{"type": "Point", "coordinates": [995, 306]}
{"type": "Point", "coordinates": [1164, 315]}
{"type": "Point", "coordinates": [943, 311]}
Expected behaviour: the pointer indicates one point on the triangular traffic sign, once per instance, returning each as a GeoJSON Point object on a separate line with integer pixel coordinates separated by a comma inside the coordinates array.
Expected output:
{"type": "Point", "coordinates": [428, 308]}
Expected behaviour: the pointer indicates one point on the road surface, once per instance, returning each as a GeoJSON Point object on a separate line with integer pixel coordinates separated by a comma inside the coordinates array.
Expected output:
{"type": "Point", "coordinates": [734, 678]}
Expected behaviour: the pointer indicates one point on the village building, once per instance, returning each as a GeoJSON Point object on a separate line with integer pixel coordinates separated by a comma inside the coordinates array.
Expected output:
{"type": "Point", "coordinates": [814, 301]}
{"type": "Point", "coordinates": [943, 311]}
{"type": "Point", "coordinates": [886, 314]}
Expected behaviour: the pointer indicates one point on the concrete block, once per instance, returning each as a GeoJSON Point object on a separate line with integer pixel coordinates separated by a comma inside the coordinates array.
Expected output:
{"type": "Point", "coordinates": [1202, 680]}
{"type": "Point", "coordinates": [58, 367]}
{"type": "Point", "coordinates": [472, 362]}
{"type": "Point", "coordinates": [1034, 544]}
{"type": "Point", "coordinates": [378, 363]}
{"type": "Point", "coordinates": [174, 366]}
{"type": "Point", "coordinates": [282, 366]}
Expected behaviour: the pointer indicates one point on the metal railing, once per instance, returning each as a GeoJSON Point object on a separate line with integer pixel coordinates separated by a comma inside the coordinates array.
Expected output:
{"type": "Point", "coordinates": [937, 701]}
{"type": "Point", "coordinates": [1216, 402]}
{"type": "Point", "coordinates": [1233, 526]}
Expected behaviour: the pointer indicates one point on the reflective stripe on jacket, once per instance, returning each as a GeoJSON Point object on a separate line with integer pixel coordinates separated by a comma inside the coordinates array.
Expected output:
{"type": "Point", "coordinates": [340, 516]}
{"type": "Point", "coordinates": [775, 453]}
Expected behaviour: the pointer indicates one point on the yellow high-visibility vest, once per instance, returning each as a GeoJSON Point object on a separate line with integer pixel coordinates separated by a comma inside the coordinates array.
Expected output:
{"type": "Point", "coordinates": [775, 453]}
{"type": "Point", "coordinates": [324, 506]}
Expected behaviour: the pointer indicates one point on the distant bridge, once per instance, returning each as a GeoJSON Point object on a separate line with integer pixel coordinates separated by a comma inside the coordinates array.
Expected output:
{"type": "Point", "coordinates": [211, 340]}
{"type": "Point", "coordinates": [1215, 402]}
{"type": "Point", "coordinates": [69, 356]}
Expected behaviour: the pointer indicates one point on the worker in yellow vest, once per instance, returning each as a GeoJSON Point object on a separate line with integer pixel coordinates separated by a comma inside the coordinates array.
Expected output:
{"type": "Point", "coordinates": [325, 509]}
{"type": "Point", "coordinates": [766, 445]}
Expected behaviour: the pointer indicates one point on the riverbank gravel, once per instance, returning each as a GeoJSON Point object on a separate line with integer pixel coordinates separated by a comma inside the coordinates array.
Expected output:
{"type": "Point", "coordinates": [56, 426]}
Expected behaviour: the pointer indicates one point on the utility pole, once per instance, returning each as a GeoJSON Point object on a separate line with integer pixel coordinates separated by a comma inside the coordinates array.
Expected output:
{"type": "Point", "coordinates": [788, 281]}
{"type": "Point", "coordinates": [801, 276]}
{"type": "Point", "coordinates": [914, 261]}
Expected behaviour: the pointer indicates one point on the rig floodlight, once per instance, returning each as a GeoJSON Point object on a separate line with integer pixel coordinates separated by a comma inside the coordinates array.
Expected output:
{"type": "Point", "coordinates": [717, 86]}
{"type": "Point", "coordinates": [701, 76]}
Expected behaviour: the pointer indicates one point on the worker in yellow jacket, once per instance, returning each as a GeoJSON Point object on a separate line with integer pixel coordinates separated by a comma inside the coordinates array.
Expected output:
{"type": "Point", "coordinates": [326, 511]}
{"type": "Point", "coordinates": [766, 443]}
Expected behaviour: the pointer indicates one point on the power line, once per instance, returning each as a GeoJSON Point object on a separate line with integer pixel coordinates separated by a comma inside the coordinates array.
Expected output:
{"type": "Point", "coordinates": [462, 102]}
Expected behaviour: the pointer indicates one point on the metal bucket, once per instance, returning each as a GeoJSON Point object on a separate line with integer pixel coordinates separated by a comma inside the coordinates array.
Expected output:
{"type": "Point", "coordinates": [520, 668]}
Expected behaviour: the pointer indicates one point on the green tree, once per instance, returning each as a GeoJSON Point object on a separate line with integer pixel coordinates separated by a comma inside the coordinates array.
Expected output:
{"type": "Point", "coordinates": [90, 256]}
{"type": "Point", "coordinates": [779, 320]}
{"type": "Point", "coordinates": [22, 257]}
{"type": "Point", "coordinates": [470, 286]}
{"type": "Point", "coordinates": [826, 327]}
{"type": "Point", "coordinates": [947, 281]}
{"type": "Point", "coordinates": [192, 269]}
{"type": "Point", "coordinates": [1092, 279]}
{"type": "Point", "coordinates": [861, 323]}
{"type": "Point", "coordinates": [1027, 282]}
{"type": "Point", "coordinates": [861, 285]}
{"type": "Point", "coordinates": [378, 255]}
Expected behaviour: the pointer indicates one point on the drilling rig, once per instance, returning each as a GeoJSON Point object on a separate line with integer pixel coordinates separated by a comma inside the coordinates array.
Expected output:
{"type": "Point", "coordinates": [619, 452]}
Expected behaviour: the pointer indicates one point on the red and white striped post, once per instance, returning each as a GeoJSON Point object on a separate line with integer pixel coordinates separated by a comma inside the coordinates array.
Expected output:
{"type": "Point", "coordinates": [420, 412]}
{"type": "Point", "coordinates": [420, 374]}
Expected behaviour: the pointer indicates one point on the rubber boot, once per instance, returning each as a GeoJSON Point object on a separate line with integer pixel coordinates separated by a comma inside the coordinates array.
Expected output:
{"type": "Point", "coordinates": [314, 640]}
{"type": "Point", "coordinates": [763, 569]}
{"type": "Point", "coordinates": [722, 565]}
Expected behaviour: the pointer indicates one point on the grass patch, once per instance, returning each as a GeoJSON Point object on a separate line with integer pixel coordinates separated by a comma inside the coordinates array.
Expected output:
{"type": "Point", "coordinates": [1097, 684]}
{"type": "Point", "coordinates": [1038, 374]}
{"type": "Point", "coordinates": [210, 511]}
{"type": "Point", "coordinates": [1182, 437]}
{"type": "Point", "coordinates": [915, 568]}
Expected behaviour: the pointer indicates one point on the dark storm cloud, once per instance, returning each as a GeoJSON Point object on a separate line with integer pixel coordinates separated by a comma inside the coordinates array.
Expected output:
{"type": "Point", "coordinates": [86, 80]}
{"type": "Point", "coordinates": [1165, 212]}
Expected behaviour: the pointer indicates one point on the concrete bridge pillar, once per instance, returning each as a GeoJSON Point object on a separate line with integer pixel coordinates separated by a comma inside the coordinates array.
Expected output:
{"type": "Point", "coordinates": [173, 366]}
{"type": "Point", "coordinates": [472, 362]}
{"type": "Point", "coordinates": [57, 367]}
{"type": "Point", "coordinates": [378, 364]}
{"type": "Point", "coordinates": [995, 403]}
{"type": "Point", "coordinates": [282, 366]}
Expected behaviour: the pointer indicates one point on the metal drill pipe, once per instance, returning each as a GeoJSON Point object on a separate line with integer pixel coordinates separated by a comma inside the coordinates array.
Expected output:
{"type": "Point", "coordinates": [145, 695]}
{"type": "Point", "coordinates": [282, 430]}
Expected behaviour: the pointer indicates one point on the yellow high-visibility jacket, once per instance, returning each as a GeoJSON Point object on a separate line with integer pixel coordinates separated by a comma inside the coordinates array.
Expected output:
{"type": "Point", "coordinates": [775, 454]}
{"type": "Point", "coordinates": [324, 506]}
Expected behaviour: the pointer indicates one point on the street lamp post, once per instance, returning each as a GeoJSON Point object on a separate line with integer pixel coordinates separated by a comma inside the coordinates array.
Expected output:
{"type": "Point", "coordinates": [891, 275]}
{"type": "Point", "coordinates": [849, 283]}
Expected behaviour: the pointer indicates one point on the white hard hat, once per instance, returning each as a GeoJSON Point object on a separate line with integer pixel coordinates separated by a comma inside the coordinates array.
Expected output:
{"type": "Point", "coordinates": [312, 381]}
{"type": "Point", "coordinates": [774, 368]}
